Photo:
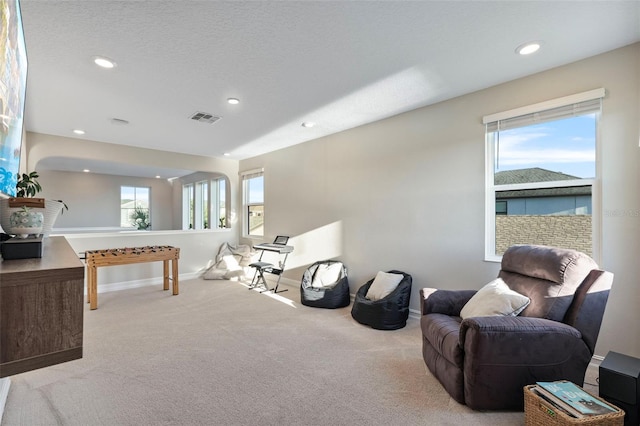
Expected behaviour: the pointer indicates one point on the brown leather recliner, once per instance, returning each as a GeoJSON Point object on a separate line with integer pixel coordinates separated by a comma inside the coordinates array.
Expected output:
{"type": "Point", "coordinates": [484, 362]}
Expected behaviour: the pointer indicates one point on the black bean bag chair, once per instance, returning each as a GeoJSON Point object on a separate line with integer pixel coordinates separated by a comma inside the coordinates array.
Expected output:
{"type": "Point", "coordinates": [388, 313]}
{"type": "Point", "coordinates": [325, 285]}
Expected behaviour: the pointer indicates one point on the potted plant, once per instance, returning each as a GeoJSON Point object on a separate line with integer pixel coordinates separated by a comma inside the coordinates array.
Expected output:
{"type": "Point", "coordinates": [27, 187]}
{"type": "Point", "coordinates": [140, 219]}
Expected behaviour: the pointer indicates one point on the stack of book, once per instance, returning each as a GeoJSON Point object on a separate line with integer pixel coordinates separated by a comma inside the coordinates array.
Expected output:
{"type": "Point", "coordinates": [572, 399]}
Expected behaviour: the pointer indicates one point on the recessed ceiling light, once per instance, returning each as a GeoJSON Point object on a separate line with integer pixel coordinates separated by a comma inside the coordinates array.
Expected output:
{"type": "Point", "coordinates": [528, 48]}
{"type": "Point", "coordinates": [86, 170]}
{"type": "Point", "coordinates": [226, 154]}
{"type": "Point", "coordinates": [308, 124]}
{"type": "Point", "coordinates": [78, 131]}
{"type": "Point", "coordinates": [103, 62]}
{"type": "Point", "coordinates": [158, 177]}
{"type": "Point", "coordinates": [233, 101]}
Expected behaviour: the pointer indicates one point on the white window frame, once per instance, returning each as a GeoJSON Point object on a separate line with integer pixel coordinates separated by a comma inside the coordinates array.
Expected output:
{"type": "Point", "coordinates": [188, 198]}
{"type": "Point", "coordinates": [202, 204]}
{"type": "Point", "coordinates": [217, 199]}
{"type": "Point", "coordinates": [205, 194]}
{"type": "Point", "coordinates": [245, 177]}
{"type": "Point", "coordinates": [490, 155]}
{"type": "Point", "coordinates": [135, 201]}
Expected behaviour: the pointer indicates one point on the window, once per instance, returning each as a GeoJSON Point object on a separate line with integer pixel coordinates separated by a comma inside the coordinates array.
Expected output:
{"type": "Point", "coordinates": [219, 193]}
{"type": "Point", "coordinates": [501, 207]}
{"type": "Point", "coordinates": [201, 207]}
{"type": "Point", "coordinates": [253, 203]}
{"type": "Point", "coordinates": [188, 197]}
{"type": "Point", "coordinates": [541, 168]}
{"type": "Point", "coordinates": [204, 204]}
{"type": "Point", "coordinates": [135, 209]}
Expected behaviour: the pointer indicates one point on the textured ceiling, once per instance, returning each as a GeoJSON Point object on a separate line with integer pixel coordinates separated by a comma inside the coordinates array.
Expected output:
{"type": "Point", "coordinates": [340, 64]}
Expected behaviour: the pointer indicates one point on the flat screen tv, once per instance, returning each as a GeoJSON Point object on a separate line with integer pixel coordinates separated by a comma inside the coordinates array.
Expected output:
{"type": "Point", "coordinates": [13, 84]}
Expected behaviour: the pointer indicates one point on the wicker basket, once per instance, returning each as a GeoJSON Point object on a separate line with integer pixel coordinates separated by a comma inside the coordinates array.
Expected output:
{"type": "Point", "coordinates": [538, 412]}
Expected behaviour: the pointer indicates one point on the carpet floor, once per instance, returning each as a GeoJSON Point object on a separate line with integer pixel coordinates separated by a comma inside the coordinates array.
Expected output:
{"type": "Point", "coordinates": [218, 354]}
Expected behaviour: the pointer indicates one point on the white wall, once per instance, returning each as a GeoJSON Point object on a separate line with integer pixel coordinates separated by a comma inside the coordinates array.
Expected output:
{"type": "Point", "coordinates": [197, 248]}
{"type": "Point", "coordinates": [40, 146]}
{"type": "Point", "coordinates": [408, 192]}
{"type": "Point", "coordinates": [89, 190]}
{"type": "Point", "coordinates": [94, 199]}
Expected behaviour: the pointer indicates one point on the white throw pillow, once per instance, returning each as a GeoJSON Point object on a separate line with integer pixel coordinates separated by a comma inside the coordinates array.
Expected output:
{"type": "Point", "coordinates": [383, 284]}
{"type": "Point", "coordinates": [494, 299]}
{"type": "Point", "coordinates": [326, 274]}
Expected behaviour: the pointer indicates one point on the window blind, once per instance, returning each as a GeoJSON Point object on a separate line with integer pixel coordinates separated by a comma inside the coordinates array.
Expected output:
{"type": "Point", "coordinates": [250, 174]}
{"type": "Point", "coordinates": [569, 106]}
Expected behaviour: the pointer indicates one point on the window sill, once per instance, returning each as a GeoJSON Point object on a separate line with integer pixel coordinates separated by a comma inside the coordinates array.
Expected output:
{"type": "Point", "coordinates": [493, 258]}
{"type": "Point", "coordinates": [100, 232]}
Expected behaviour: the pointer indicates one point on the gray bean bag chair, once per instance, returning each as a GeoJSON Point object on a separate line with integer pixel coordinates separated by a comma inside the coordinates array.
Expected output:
{"type": "Point", "coordinates": [325, 285]}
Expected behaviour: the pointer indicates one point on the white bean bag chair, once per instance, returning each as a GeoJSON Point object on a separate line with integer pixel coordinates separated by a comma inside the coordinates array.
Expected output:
{"type": "Point", "coordinates": [230, 263]}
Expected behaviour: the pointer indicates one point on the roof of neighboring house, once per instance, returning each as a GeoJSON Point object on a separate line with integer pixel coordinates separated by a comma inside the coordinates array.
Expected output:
{"type": "Point", "coordinates": [533, 174]}
{"type": "Point", "coordinates": [537, 174]}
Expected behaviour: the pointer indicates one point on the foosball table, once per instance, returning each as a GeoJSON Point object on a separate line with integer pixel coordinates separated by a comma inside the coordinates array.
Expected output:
{"type": "Point", "coordinates": [126, 256]}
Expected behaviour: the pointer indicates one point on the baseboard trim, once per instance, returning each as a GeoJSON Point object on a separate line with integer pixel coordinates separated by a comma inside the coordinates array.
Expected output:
{"type": "Point", "coordinates": [5, 384]}
{"type": "Point", "coordinates": [414, 313]}
{"type": "Point", "coordinates": [126, 285]}
{"type": "Point", "coordinates": [596, 360]}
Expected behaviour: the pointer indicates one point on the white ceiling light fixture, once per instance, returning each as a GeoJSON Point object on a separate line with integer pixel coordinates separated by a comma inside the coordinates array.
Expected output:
{"type": "Point", "coordinates": [78, 131]}
{"type": "Point", "coordinates": [104, 62]}
{"type": "Point", "coordinates": [86, 170]}
{"type": "Point", "coordinates": [233, 101]}
{"type": "Point", "coordinates": [528, 48]}
{"type": "Point", "coordinates": [308, 124]}
{"type": "Point", "coordinates": [227, 154]}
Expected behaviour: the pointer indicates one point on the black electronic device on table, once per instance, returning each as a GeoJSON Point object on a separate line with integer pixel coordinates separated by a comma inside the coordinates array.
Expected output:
{"type": "Point", "coordinates": [619, 383]}
{"type": "Point", "coordinates": [21, 248]}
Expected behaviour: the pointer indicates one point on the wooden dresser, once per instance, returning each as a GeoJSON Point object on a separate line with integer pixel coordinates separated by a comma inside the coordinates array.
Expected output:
{"type": "Point", "coordinates": [41, 309]}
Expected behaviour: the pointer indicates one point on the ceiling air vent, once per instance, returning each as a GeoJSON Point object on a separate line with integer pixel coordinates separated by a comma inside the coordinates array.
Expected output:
{"type": "Point", "coordinates": [205, 117]}
{"type": "Point", "coordinates": [119, 121]}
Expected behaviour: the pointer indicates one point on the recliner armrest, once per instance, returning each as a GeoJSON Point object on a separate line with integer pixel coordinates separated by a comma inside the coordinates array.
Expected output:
{"type": "Point", "coordinates": [447, 302]}
{"type": "Point", "coordinates": [504, 340]}
{"type": "Point", "coordinates": [503, 354]}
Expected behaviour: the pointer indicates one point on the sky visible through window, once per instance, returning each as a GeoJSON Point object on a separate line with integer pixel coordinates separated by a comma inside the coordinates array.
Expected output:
{"type": "Point", "coordinates": [127, 193]}
{"type": "Point", "coordinates": [256, 190]}
{"type": "Point", "coordinates": [139, 195]}
{"type": "Point", "coordinates": [567, 146]}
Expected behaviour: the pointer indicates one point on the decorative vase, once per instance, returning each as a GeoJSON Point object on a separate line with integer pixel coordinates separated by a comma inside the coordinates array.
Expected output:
{"type": "Point", "coordinates": [25, 222]}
